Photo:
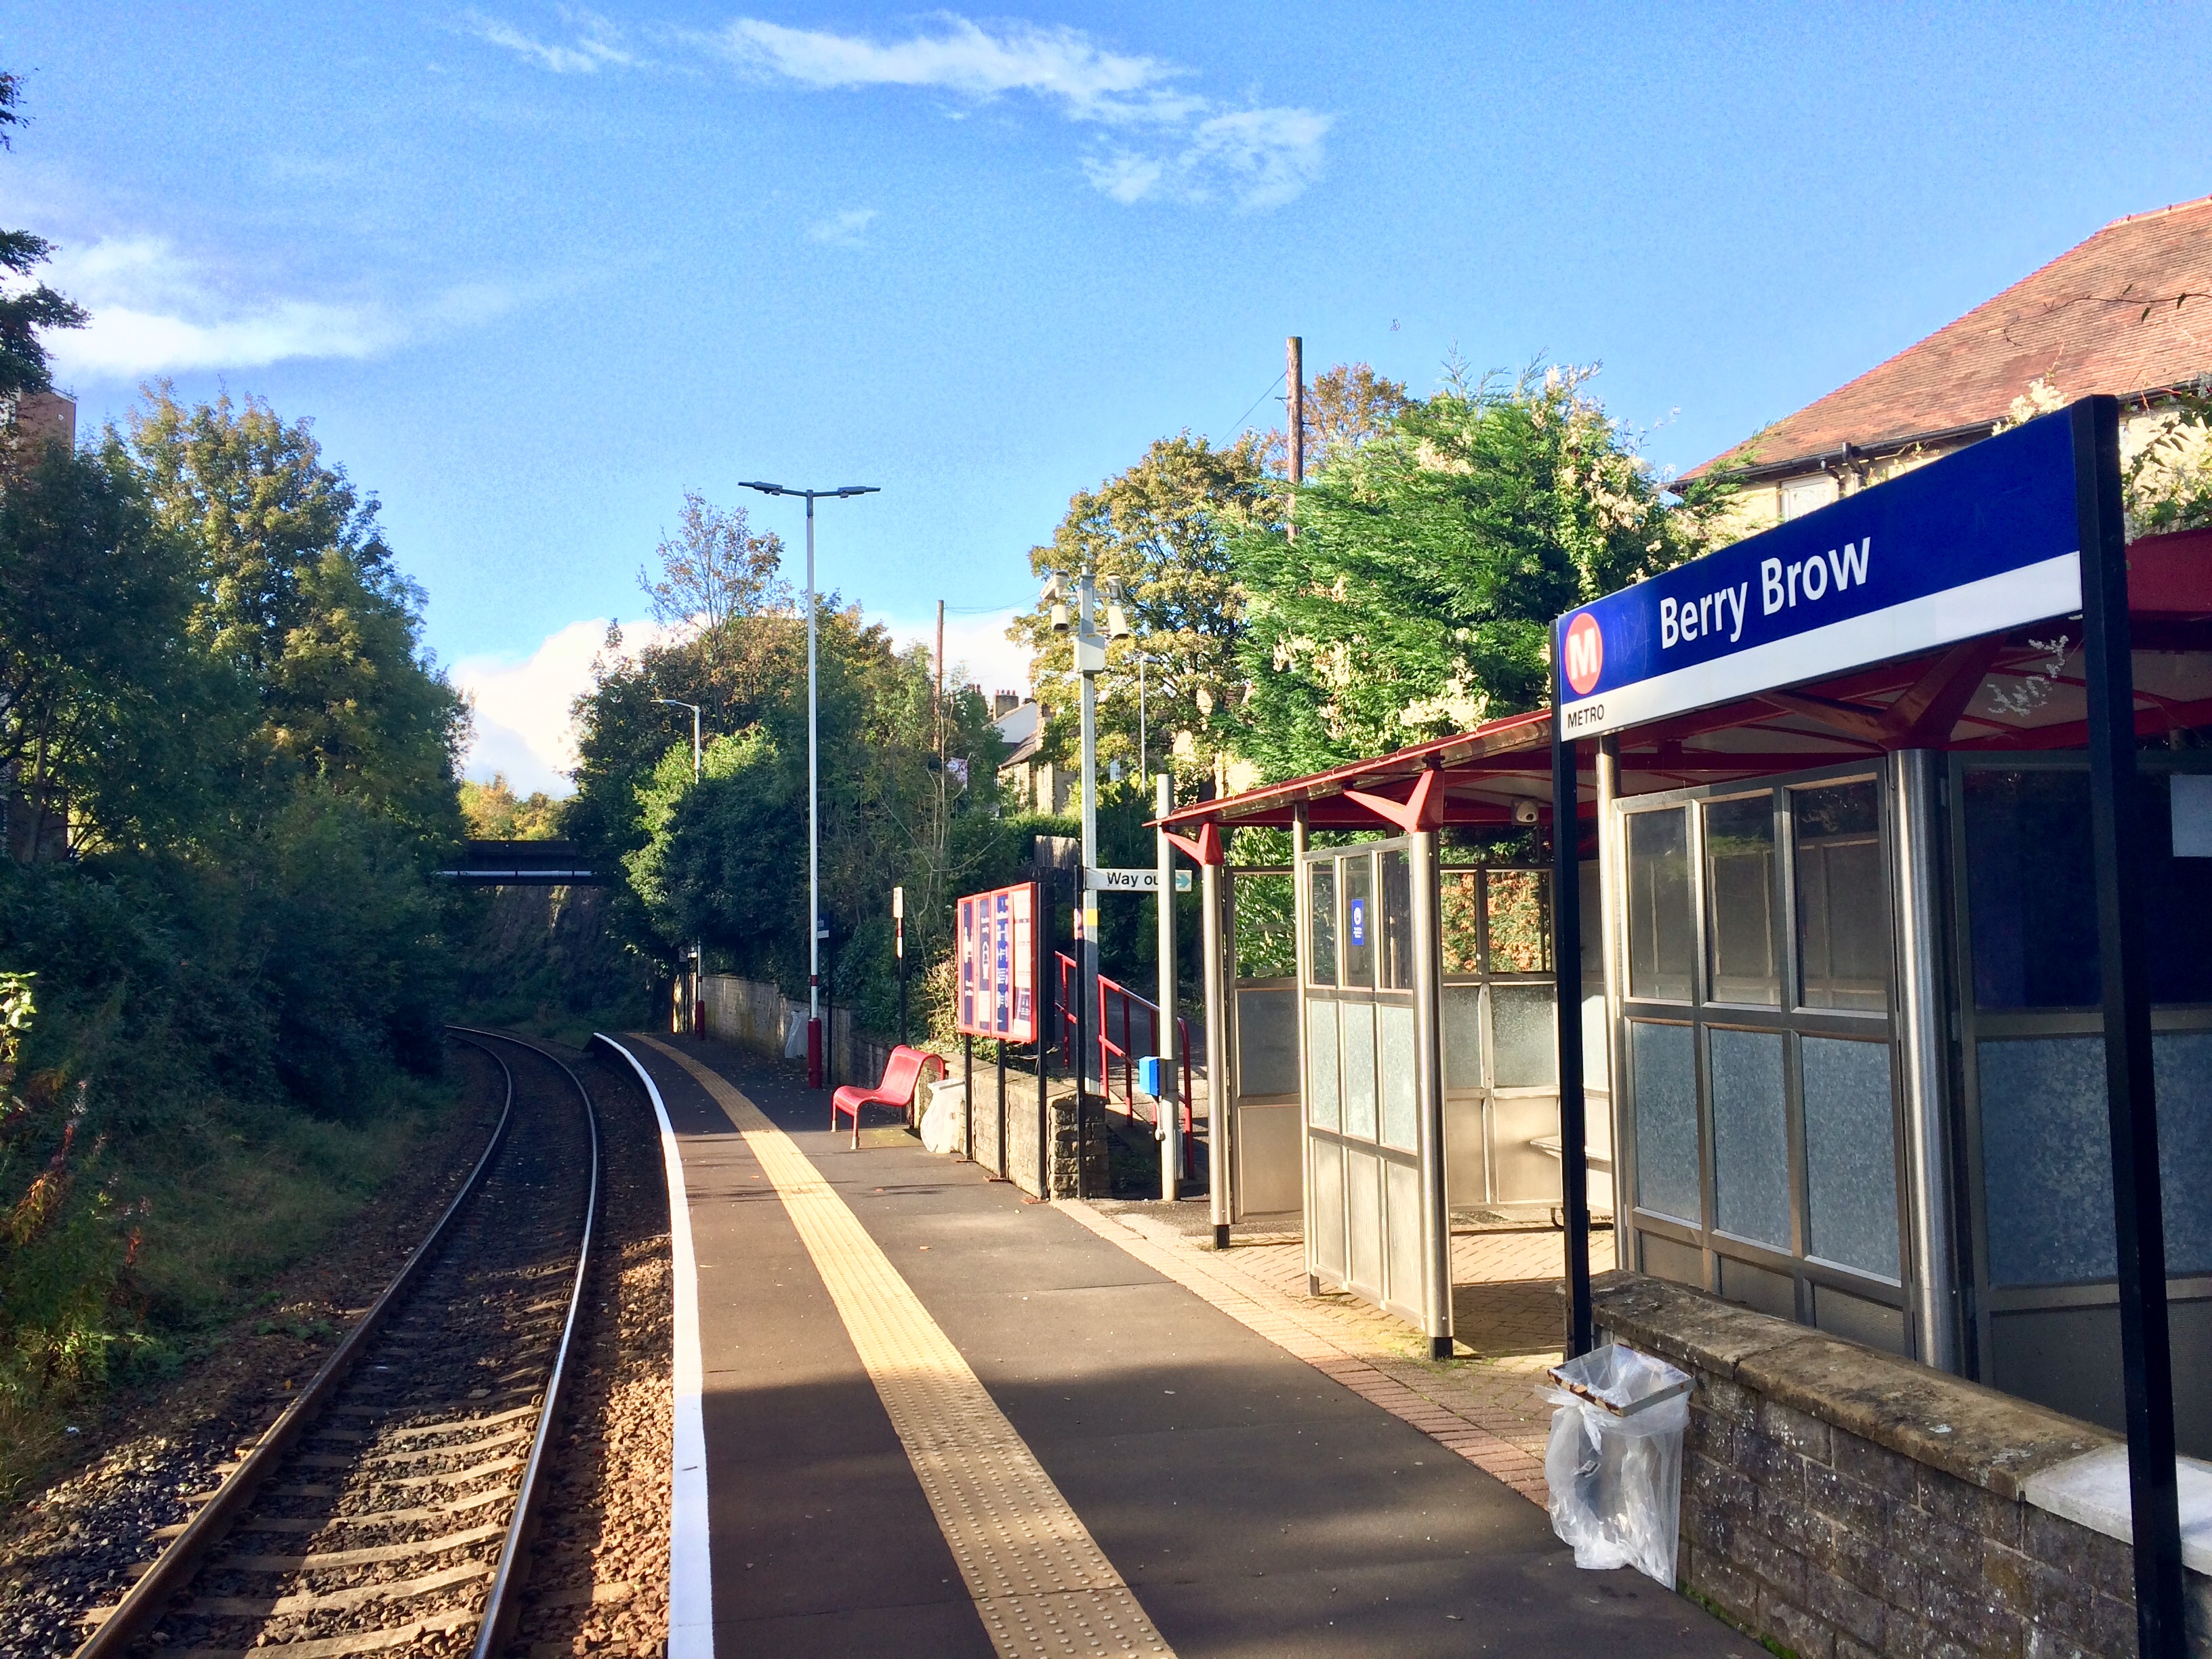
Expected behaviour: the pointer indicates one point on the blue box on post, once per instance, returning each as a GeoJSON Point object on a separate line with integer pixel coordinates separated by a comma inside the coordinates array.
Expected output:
{"type": "Point", "coordinates": [1152, 1076]}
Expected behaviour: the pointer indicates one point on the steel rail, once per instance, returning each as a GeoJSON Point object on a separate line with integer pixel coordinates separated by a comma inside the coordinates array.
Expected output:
{"type": "Point", "coordinates": [501, 1607]}
{"type": "Point", "coordinates": [145, 1603]}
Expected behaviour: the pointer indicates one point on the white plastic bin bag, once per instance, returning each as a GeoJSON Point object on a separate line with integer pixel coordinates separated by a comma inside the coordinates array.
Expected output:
{"type": "Point", "coordinates": [1615, 1461]}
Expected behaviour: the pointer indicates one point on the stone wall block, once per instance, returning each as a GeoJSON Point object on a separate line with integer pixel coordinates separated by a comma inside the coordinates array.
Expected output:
{"type": "Point", "coordinates": [1804, 1633]}
{"type": "Point", "coordinates": [1876, 1566]}
{"type": "Point", "coordinates": [1852, 1612]}
{"type": "Point", "coordinates": [1974, 1617]}
{"type": "Point", "coordinates": [1780, 1474]}
{"type": "Point", "coordinates": [1720, 1487]}
{"type": "Point", "coordinates": [1806, 1436]}
{"type": "Point", "coordinates": [1847, 1502]}
{"type": "Point", "coordinates": [1875, 1466]}
{"type": "Point", "coordinates": [1725, 1398]}
{"type": "Point", "coordinates": [1847, 1648]}
{"type": "Point", "coordinates": [2049, 1644]}
{"type": "Point", "coordinates": [1776, 1567]}
{"type": "Point", "coordinates": [1727, 1586]}
{"type": "Point", "coordinates": [2085, 1557]}
{"type": "Point", "coordinates": [1968, 1506]}
{"type": "Point", "coordinates": [2073, 1609]}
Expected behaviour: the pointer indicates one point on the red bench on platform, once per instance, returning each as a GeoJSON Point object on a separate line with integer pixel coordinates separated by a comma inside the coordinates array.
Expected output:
{"type": "Point", "coordinates": [901, 1080]}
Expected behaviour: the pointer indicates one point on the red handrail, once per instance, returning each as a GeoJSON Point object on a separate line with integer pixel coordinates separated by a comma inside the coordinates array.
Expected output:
{"type": "Point", "coordinates": [1108, 1050]}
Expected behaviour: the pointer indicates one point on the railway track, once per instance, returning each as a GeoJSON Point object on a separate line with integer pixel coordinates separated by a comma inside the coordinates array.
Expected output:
{"type": "Point", "coordinates": [391, 1506]}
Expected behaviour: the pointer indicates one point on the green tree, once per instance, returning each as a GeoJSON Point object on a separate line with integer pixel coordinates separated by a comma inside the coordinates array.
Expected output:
{"type": "Point", "coordinates": [26, 305]}
{"type": "Point", "coordinates": [1428, 562]}
{"type": "Point", "coordinates": [1164, 528]}
{"type": "Point", "coordinates": [301, 597]}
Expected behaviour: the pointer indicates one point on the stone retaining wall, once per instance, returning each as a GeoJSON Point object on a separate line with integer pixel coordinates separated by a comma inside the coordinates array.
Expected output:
{"type": "Point", "coordinates": [1021, 1159]}
{"type": "Point", "coordinates": [1846, 1502]}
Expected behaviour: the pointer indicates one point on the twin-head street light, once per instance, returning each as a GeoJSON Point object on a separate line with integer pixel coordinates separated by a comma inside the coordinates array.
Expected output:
{"type": "Point", "coordinates": [813, 781]}
{"type": "Point", "coordinates": [698, 947]}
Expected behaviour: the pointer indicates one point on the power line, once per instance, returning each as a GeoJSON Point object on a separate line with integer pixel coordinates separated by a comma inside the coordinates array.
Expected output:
{"type": "Point", "coordinates": [1257, 401]}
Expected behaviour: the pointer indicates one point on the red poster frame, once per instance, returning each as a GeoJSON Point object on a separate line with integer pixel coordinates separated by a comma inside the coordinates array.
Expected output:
{"type": "Point", "coordinates": [995, 993]}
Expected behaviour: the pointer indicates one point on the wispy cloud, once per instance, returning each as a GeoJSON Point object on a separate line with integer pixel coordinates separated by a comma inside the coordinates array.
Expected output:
{"type": "Point", "coordinates": [1155, 137]}
{"type": "Point", "coordinates": [594, 42]}
{"type": "Point", "coordinates": [846, 229]}
{"type": "Point", "coordinates": [155, 310]}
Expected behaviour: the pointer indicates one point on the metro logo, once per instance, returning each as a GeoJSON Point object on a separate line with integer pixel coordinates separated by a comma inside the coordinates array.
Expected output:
{"type": "Point", "coordinates": [1585, 654]}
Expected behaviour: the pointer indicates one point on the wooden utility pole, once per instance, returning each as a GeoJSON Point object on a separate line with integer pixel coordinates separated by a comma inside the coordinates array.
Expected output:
{"type": "Point", "coordinates": [1296, 407]}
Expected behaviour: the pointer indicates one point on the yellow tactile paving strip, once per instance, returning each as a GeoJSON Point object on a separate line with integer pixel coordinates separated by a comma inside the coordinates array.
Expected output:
{"type": "Point", "coordinates": [1040, 1583]}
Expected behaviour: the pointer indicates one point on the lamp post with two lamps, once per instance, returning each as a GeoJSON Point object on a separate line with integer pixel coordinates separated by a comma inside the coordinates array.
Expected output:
{"type": "Point", "coordinates": [1088, 643]}
{"type": "Point", "coordinates": [698, 948]}
{"type": "Point", "coordinates": [813, 779]}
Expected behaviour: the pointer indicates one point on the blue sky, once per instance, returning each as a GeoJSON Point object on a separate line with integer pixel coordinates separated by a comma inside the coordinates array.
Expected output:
{"type": "Point", "coordinates": [536, 269]}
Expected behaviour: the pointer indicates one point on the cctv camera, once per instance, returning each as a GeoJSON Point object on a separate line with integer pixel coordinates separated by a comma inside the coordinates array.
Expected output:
{"type": "Point", "coordinates": [1525, 810]}
{"type": "Point", "coordinates": [1117, 622]}
{"type": "Point", "coordinates": [1060, 623]}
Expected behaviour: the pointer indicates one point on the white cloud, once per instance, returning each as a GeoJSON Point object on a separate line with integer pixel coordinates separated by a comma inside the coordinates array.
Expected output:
{"type": "Point", "coordinates": [1167, 141]}
{"type": "Point", "coordinates": [524, 729]}
{"type": "Point", "coordinates": [154, 311]}
{"type": "Point", "coordinates": [523, 726]}
{"type": "Point", "coordinates": [1061, 63]}
{"type": "Point", "coordinates": [846, 229]}
{"type": "Point", "coordinates": [596, 42]}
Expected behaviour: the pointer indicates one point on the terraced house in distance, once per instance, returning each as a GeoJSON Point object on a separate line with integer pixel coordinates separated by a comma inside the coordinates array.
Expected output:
{"type": "Point", "coordinates": [2128, 313]}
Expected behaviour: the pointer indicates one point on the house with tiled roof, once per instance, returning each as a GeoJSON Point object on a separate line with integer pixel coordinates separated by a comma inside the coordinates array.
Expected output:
{"type": "Point", "coordinates": [2128, 311]}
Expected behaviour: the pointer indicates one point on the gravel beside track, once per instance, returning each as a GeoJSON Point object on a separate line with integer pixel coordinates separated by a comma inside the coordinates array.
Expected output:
{"type": "Point", "coordinates": [598, 1578]}
{"type": "Point", "coordinates": [381, 1529]}
{"type": "Point", "coordinates": [79, 1543]}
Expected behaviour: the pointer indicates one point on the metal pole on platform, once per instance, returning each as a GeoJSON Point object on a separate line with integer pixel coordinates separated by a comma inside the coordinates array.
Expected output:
{"type": "Point", "coordinates": [1429, 1090]}
{"type": "Point", "coordinates": [1567, 969]}
{"type": "Point", "coordinates": [813, 779]}
{"type": "Point", "coordinates": [2138, 1218]}
{"type": "Point", "coordinates": [1001, 1046]}
{"type": "Point", "coordinates": [1218, 1107]}
{"type": "Point", "coordinates": [967, 1093]}
{"type": "Point", "coordinates": [1167, 1110]}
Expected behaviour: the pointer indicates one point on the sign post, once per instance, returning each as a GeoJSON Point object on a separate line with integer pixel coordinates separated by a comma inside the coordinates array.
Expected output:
{"type": "Point", "coordinates": [2017, 529]}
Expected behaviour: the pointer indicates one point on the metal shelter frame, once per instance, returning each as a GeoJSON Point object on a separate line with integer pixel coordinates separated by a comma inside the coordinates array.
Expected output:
{"type": "Point", "coordinates": [1894, 718]}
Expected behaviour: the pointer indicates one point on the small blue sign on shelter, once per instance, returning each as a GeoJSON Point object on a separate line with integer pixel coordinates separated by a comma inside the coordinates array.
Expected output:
{"type": "Point", "coordinates": [1978, 541]}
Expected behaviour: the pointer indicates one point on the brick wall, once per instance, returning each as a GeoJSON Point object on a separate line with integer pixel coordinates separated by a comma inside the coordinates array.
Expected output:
{"type": "Point", "coordinates": [1846, 1502]}
{"type": "Point", "coordinates": [1021, 1160]}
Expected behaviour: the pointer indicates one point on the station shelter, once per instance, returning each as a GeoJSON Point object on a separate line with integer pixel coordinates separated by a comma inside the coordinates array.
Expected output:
{"type": "Point", "coordinates": [1840, 989]}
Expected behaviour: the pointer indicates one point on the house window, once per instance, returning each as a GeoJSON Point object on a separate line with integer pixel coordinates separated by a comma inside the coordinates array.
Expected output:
{"type": "Point", "coordinates": [1803, 495]}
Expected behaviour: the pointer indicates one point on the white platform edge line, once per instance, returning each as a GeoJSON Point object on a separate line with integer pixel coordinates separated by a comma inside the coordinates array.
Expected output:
{"type": "Point", "coordinates": [690, 1565]}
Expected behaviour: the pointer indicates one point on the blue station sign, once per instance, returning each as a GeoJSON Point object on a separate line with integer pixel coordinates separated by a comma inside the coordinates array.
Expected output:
{"type": "Point", "coordinates": [1981, 541]}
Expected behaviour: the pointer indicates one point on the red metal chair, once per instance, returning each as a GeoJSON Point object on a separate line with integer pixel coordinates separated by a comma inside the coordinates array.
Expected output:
{"type": "Point", "coordinates": [901, 1081]}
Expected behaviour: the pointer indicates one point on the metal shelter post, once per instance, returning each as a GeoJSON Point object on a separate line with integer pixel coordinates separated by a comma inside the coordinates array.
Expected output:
{"type": "Point", "coordinates": [1567, 966]}
{"type": "Point", "coordinates": [1219, 1110]}
{"type": "Point", "coordinates": [2116, 836]}
{"type": "Point", "coordinates": [1167, 1110]}
{"type": "Point", "coordinates": [1915, 833]}
{"type": "Point", "coordinates": [1428, 1091]}
{"type": "Point", "coordinates": [1302, 935]}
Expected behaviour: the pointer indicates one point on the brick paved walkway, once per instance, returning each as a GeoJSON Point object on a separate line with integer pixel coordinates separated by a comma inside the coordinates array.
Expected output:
{"type": "Point", "coordinates": [1505, 1308]}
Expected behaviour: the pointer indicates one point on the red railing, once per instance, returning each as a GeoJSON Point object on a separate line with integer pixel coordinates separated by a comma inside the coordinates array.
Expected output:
{"type": "Point", "coordinates": [1126, 1051]}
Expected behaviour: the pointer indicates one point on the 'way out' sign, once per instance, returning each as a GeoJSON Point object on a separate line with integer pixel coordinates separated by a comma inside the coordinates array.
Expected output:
{"type": "Point", "coordinates": [1980, 541]}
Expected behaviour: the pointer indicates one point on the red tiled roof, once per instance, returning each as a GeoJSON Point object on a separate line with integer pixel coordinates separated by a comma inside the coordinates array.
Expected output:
{"type": "Point", "coordinates": [2079, 322]}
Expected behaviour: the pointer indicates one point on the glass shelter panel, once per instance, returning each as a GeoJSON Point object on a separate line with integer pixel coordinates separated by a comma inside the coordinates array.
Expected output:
{"type": "Point", "coordinates": [1519, 920]}
{"type": "Point", "coordinates": [1850, 1154]}
{"type": "Point", "coordinates": [1751, 1136]}
{"type": "Point", "coordinates": [1359, 1063]}
{"type": "Point", "coordinates": [1322, 968]}
{"type": "Point", "coordinates": [1843, 897]}
{"type": "Point", "coordinates": [1462, 1013]}
{"type": "Point", "coordinates": [1324, 1086]}
{"type": "Point", "coordinates": [1459, 908]}
{"type": "Point", "coordinates": [1662, 930]}
{"type": "Point", "coordinates": [1662, 1063]}
{"type": "Point", "coordinates": [1525, 1052]}
{"type": "Point", "coordinates": [1397, 923]}
{"type": "Point", "coordinates": [1359, 877]}
{"type": "Point", "coordinates": [1740, 901]}
{"type": "Point", "coordinates": [1393, 1058]}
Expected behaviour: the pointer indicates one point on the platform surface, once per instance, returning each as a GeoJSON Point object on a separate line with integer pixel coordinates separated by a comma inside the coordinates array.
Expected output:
{"type": "Point", "coordinates": [1250, 1504]}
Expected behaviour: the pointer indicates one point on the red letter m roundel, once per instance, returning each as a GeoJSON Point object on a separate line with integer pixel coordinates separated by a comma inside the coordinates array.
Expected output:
{"type": "Point", "coordinates": [1585, 654]}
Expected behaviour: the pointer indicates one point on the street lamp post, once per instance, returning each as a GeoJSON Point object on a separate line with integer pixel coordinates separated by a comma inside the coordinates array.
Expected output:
{"type": "Point", "coordinates": [813, 779]}
{"type": "Point", "coordinates": [698, 948]}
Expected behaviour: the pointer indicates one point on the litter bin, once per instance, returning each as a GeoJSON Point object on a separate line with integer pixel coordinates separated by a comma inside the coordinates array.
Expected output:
{"type": "Point", "coordinates": [1614, 1460]}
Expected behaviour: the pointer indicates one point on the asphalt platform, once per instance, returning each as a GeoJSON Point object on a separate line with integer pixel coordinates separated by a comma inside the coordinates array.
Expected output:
{"type": "Point", "coordinates": [1253, 1506]}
